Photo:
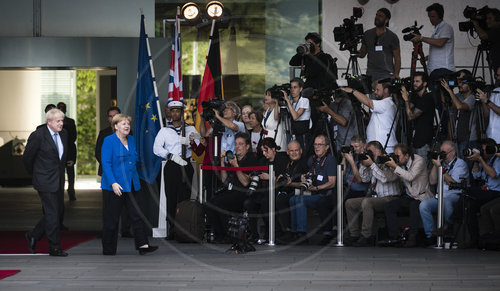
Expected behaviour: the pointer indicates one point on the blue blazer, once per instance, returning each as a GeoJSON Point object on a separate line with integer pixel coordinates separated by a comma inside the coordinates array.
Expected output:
{"type": "Point", "coordinates": [119, 164]}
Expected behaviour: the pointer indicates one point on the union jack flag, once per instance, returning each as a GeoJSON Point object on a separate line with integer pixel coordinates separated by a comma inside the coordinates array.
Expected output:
{"type": "Point", "coordinates": [175, 82]}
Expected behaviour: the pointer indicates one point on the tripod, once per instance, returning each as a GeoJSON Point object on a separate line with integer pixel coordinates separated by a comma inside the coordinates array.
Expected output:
{"type": "Point", "coordinates": [352, 63]}
{"type": "Point", "coordinates": [403, 124]}
{"type": "Point", "coordinates": [482, 50]}
{"type": "Point", "coordinates": [417, 55]}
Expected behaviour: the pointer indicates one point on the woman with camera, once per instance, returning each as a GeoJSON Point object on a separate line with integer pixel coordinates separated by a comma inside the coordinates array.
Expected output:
{"type": "Point", "coordinates": [271, 123]}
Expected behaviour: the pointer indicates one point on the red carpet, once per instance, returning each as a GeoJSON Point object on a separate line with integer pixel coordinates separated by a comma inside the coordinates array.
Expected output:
{"type": "Point", "coordinates": [14, 242]}
{"type": "Point", "coordinates": [7, 273]}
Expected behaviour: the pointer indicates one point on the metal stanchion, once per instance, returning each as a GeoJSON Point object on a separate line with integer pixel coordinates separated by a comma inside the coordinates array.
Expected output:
{"type": "Point", "coordinates": [440, 214]}
{"type": "Point", "coordinates": [340, 206]}
{"type": "Point", "coordinates": [271, 205]}
{"type": "Point", "coordinates": [200, 187]}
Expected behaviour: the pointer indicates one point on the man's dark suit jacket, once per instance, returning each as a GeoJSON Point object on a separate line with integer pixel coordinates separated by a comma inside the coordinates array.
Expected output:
{"type": "Point", "coordinates": [100, 139]}
{"type": "Point", "coordinates": [41, 160]}
{"type": "Point", "coordinates": [70, 126]}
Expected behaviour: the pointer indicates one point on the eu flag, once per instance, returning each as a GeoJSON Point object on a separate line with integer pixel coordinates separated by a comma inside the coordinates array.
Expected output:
{"type": "Point", "coordinates": [146, 122]}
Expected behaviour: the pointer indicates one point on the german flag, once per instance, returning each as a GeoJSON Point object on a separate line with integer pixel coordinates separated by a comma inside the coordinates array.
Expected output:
{"type": "Point", "coordinates": [211, 84]}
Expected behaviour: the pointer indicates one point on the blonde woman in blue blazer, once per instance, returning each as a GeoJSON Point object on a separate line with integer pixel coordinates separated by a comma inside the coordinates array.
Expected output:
{"type": "Point", "coordinates": [120, 186]}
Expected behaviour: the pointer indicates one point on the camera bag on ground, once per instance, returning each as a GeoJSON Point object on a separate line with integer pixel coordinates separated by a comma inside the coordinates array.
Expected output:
{"type": "Point", "coordinates": [189, 222]}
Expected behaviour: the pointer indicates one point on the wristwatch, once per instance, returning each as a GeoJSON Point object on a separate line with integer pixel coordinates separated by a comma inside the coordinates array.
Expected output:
{"type": "Point", "coordinates": [352, 91]}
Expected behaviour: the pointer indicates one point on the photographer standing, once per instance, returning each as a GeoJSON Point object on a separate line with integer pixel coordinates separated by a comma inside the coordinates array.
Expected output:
{"type": "Point", "coordinates": [231, 125]}
{"type": "Point", "coordinates": [300, 111]}
{"type": "Point", "coordinates": [271, 123]}
{"type": "Point", "coordinates": [454, 170]}
{"type": "Point", "coordinates": [492, 35]}
{"type": "Point", "coordinates": [382, 47]}
{"type": "Point", "coordinates": [412, 170]}
{"type": "Point", "coordinates": [420, 109]}
{"type": "Point", "coordinates": [318, 67]}
{"type": "Point", "coordinates": [342, 118]}
{"type": "Point", "coordinates": [441, 59]}
{"type": "Point", "coordinates": [460, 116]}
{"type": "Point", "coordinates": [383, 112]}
{"type": "Point", "coordinates": [491, 108]}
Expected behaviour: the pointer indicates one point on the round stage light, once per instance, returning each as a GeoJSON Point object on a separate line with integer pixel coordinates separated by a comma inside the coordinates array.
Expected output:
{"type": "Point", "coordinates": [190, 11]}
{"type": "Point", "coordinates": [215, 9]}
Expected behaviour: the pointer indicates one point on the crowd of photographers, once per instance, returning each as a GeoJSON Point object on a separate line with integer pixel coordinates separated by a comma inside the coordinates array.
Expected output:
{"type": "Point", "coordinates": [414, 126]}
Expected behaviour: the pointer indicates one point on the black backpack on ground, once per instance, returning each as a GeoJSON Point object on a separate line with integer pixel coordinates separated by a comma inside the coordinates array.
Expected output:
{"type": "Point", "coordinates": [189, 222]}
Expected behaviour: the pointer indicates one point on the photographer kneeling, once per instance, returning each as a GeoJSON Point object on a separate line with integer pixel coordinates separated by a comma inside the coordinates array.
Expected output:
{"type": "Point", "coordinates": [229, 201]}
{"type": "Point", "coordinates": [454, 171]}
{"type": "Point", "coordinates": [412, 170]}
{"type": "Point", "coordinates": [486, 170]}
{"type": "Point", "coordinates": [320, 179]}
{"type": "Point", "coordinates": [300, 111]}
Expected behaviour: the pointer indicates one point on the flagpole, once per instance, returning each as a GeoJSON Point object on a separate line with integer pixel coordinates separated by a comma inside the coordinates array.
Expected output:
{"type": "Point", "coordinates": [153, 76]}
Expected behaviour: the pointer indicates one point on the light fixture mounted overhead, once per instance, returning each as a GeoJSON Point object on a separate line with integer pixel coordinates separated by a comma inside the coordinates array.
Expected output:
{"type": "Point", "coordinates": [190, 11]}
{"type": "Point", "coordinates": [215, 9]}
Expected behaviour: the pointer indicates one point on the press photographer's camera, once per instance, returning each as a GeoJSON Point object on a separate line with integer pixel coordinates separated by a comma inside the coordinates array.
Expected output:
{"type": "Point", "coordinates": [385, 159]}
{"type": "Point", "coordinates": [473, 13]}
{"type": "Point", "coordinates": [462, 185]}
{"type": "Point", "coordinates": [364, 156]}
{"type": "Point", "coordinates": [411, 31]}
{"type": "Point", "coordinates": [254, 183]}
{"type": "Point", "coordinates": [469, 152]}
{"type": "Point", "coordinates": [319, 97]}
{"type": "Point", "coordinates": [277, 94]}
{"type": "Point", "coordinates": [209, 115]}
{"type": "Point", "coordinates": [307, 183]}
{"type": "Point", "coordinates": [304, 48]}
{"type": "Point", "coordinates": [349, 33]}
{"type": "Point", "coordinates": [434, 155]}
{"type": "Point", "coordinates": [396, 84]}
{"type": "Point", "coordinates": [347, 149]}
{"type": "Point", "coordinates": [361, 83]}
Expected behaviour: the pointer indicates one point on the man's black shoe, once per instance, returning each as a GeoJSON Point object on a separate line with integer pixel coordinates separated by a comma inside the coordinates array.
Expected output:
{"type": "Point", "coordinates": [31, 242]}
{"type": "Point", "coordinates": [349, 240]}
{"type": "Point", "coordinates": [363, 242]}
{"type": "Point", "coordinates": [149, 249]}
{"type": "Point", "coordinates": [58, 253]}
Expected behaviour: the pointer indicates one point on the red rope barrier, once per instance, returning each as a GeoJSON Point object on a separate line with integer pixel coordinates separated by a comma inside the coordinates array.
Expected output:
{"type": "Point", "coordinates": [216, 168]}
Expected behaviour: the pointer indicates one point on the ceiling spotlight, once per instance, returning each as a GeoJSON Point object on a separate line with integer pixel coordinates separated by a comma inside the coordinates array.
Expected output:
{"type": "Point", "coordinates": [215, 9]}
{"type": "Point", "coordinates": [190, 11]}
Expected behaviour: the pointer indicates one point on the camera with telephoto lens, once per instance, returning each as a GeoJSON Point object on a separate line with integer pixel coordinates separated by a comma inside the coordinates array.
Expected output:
{"type": "Point", "coordinates": [307, 183]}
{"type": "Point", "coordinates": [304, 48]}
{"type": "Point", "coordinates": [434, 155]}
{"type": "Point", "coordinates": [386, 158]}
{"type": "Point", "coordinates": [450, 79]}
{"type": "Point", "coordinates": [318, 96]}
{"type": "Point", "coordinates": [469, 152]}
{"type": "Point", "coordinates": [364, 156]}
{"type": "Point", "coordinates": [479, 83]}
{"type": "Point", "coordinates": [492, 149]}
{"type": "Point", "coordinates": [473, 13]}
{"type": "Point", "coordinates": [254, 183]}
{"type": "Point", "coordinates": [411, 30]}
{"type": "Point", "coordinates": [361, 83]}
{"type": "Point", "coordinates": [396, 84]}
{"type": "Point", "coordinates": [208, 114]}
{"type": "Point", "coordinates": [349, 33]}
{"type": "Point", "coordinates": [462, 185]}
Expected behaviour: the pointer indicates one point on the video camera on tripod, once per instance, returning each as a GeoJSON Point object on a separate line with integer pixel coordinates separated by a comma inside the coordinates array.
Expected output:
{"type": "Point", "coordinates": [473, 13]}
{"type": "Point", "coordinates": [350, 33]}
{"type": "Point", "coordinates": [209, 115]}
{"type": "Point", "coordinates": [277, 94]}
{"type": "Point", "coordinates": [411, 31]}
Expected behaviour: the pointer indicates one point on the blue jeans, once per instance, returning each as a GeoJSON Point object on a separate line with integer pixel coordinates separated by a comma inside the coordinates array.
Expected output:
{"type": "Point", "coordinates": [298, 208]}
{"type": "Point", "coordinates": [430, 206]}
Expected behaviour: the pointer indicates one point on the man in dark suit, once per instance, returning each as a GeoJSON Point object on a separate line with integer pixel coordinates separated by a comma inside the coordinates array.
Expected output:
{"type": "Point", "coordinates": [45, 159]}
{"type": "Point", "coordinates": [70, 126]}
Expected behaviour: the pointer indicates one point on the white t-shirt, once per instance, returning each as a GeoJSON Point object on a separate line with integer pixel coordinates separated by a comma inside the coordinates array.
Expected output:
{"type": "Point", "coordinates": [303, 103]}
{"type": "Point", "coordinates": [493, 130]}
{"type": "Point", "coordinates": [255, 138]}
{"type": "Point", "coordinates": [383, 113]}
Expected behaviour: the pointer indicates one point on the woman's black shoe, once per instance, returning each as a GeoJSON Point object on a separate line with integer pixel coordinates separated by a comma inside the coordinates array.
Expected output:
{"type": "Point", "coordinates": [149, 249]}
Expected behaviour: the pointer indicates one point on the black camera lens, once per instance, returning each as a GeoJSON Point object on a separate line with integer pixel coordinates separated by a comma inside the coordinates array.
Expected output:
{"type": "Point", "coordinates": [347, 149]}
{"type": "Point", "coordinates": [230, 155]}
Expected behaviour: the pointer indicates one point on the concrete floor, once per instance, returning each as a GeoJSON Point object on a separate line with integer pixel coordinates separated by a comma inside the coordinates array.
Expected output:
{"type": "Point", "coordinates": [208, 267]}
